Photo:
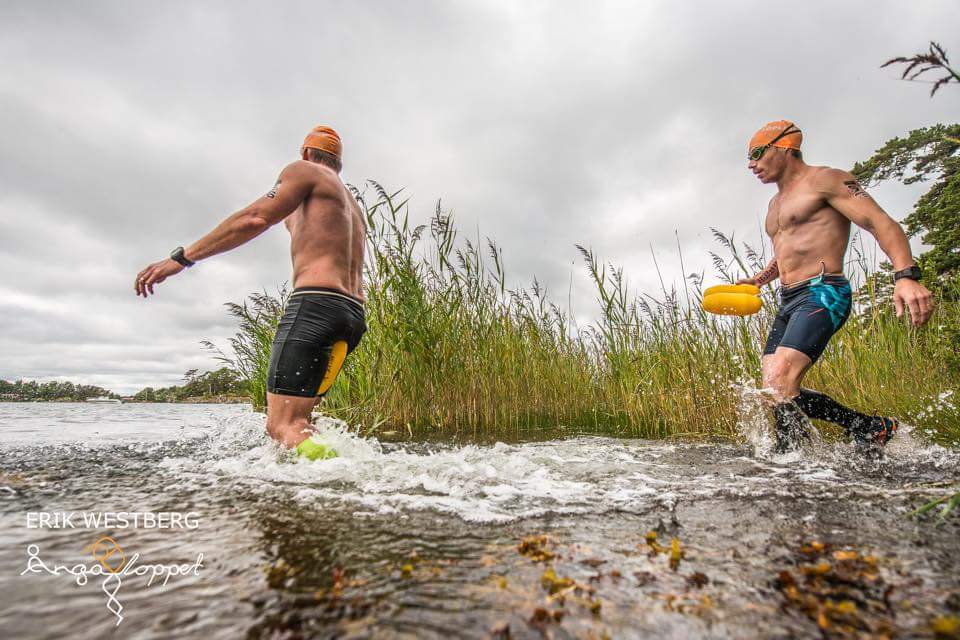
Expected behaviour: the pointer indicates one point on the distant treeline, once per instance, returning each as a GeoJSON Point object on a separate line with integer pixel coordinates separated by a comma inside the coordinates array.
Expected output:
{"type": "Point", "coordinates": [222, 384]}
{"type": "Point", "coordinates": [211, 384]}
{"type": "Point", "coordinates": [32, 391]}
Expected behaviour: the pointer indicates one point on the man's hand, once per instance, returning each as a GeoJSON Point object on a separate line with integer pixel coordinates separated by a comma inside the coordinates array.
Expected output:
{"type": "Point", "coordinates": [752, 281]}
{"type": "Point", "coordinates": [155, 274]}
{"type": "Point", "coordinates": [912, 295]}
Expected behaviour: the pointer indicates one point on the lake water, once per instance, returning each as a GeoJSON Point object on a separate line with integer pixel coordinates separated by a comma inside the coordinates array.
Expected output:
{"type": "Point", "coordinates": [546, 539]}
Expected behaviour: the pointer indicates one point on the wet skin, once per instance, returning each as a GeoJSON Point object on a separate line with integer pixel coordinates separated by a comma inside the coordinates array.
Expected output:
{"type": "Point", "coordinates": [327, 236]}
{"type": "Point", "coordinates": [808, 221]}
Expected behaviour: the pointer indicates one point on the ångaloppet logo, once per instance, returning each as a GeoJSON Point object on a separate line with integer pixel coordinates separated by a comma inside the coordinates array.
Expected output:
{"type": "Point", "coordinates": [111, 565]}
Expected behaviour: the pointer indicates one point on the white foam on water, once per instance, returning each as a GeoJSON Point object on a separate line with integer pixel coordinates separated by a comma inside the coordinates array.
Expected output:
{"type": "Point", "coordinates": [502, 482]}
{"type": "Point", "coordinates": [753, 423]}
{"type": "Point", "coordinates": [756, 428]}
{"type": "Point", "coordinates": [477, 483]}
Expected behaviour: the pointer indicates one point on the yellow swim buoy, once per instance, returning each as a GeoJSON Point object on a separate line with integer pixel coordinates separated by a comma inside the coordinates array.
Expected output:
{"type": "Point", "coordinates": [732, 299]}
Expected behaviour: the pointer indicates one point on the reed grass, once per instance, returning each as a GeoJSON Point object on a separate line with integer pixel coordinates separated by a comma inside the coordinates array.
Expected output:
{"type": "Point", "coordinates": [257, 317]}
{"type": "Point", "coordinates": [452, 352]}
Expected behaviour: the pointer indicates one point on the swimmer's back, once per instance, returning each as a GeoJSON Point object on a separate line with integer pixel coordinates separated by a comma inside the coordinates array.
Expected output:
{"type": "Point", "coordinates": [327, 236]}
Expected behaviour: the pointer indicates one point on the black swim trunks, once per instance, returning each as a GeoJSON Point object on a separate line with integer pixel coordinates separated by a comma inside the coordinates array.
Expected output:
{"type": "Point", "coordinates": [319, 328]}
{"type": "Point", "coordinates": [810, 313]}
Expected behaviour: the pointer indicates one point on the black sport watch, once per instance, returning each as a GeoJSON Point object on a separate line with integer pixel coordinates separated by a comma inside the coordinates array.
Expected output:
{"type": "Point", "coordinates": [912, 273]}
{"type": "Point", "coordinates": [177, 256]}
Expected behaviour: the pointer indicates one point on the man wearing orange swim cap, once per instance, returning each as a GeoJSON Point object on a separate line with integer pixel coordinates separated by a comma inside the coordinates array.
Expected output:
{"type": "Point", "coordinates": [808, 221]}
{"type": "Point", "coordinates": [324, 319]}
{"type": "Point", "coordinates": [326, 140]}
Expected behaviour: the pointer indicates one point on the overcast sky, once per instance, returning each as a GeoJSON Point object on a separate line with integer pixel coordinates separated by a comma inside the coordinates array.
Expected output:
{"type": "Point", "coordinates": [132, 127]}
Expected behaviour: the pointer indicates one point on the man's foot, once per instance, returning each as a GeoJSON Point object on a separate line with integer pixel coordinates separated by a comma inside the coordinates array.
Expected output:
{"type": "Point", "coordinates": [790, 438]}
{"type": "Point", "coordinates": [887, 431]}
{"type": "Point", "coordinates": [312, 450]}
{"type": "Point", "coordinates": [874, 439]}
{"type": "Point", "coordinates": [791, 429]}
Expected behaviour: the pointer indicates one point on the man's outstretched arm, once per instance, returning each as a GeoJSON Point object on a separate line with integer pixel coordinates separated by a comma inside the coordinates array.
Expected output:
{"type": "Point", "coordinates": [845, 194]}
{"type": "Point", "coordinates": [291, 188]}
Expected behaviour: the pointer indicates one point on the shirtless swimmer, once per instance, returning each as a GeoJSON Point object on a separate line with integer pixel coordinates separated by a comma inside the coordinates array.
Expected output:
{"type": "Point", "coordinates": [808, 221]}
{"type": "Point", "coordinates": [324, 318]}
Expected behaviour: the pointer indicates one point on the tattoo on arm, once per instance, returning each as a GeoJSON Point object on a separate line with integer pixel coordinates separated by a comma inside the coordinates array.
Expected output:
{"type": "Point", "coordinates": [768, 275]}
{"type": "Point", "coordinates": [273, 192]}
{"type": "Point", "coordinates": [855, 189]}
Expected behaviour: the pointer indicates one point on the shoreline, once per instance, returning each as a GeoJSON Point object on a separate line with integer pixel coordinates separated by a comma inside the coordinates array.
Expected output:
{"type": "Point", "coordinates": [192, 400]}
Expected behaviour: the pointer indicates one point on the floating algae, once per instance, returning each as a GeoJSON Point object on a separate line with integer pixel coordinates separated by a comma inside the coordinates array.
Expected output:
{"type": "Point", "coordinates": [676, 551]}
{"type": "Point", "coordinates": [676, 554]}
{"type": "Point", "coordinates": [842, 591]}
{"type": "Point", "coordinates": [535, 548]}
{"type": "Point", "coordinates": [554, 584]}
{"type": "Point", "coordinates": [946, 627]}
{"type": "Point", "coordinates": [564, 594]}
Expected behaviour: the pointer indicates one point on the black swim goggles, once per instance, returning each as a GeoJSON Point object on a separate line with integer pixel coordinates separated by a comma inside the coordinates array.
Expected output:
{"type": "Point", "coordinates": [757, 152]}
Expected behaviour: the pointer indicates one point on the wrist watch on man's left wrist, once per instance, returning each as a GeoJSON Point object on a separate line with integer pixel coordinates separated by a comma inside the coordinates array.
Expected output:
{"type": "Point", "coordinates": [177, 256]}
{"type": "Point", "coordinates": [911, 273]}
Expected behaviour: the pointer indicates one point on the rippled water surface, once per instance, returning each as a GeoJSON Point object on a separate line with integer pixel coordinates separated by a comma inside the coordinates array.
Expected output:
{"type": "Point", "coordinates": [544, 539]}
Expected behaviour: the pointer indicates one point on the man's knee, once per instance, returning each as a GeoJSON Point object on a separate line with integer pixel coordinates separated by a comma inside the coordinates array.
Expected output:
{"type": "Point", "coordinates": [782, 378]}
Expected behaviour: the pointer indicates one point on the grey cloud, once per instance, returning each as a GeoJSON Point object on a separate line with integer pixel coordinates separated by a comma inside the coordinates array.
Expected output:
{"type": "Point", "coordinates": [130, 128]}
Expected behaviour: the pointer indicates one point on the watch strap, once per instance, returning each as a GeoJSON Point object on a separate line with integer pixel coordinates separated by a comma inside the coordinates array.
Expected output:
{"type": "Point", "coordinates": [177, 256]}
{"type": "Point", "coordinates": [912, 272]}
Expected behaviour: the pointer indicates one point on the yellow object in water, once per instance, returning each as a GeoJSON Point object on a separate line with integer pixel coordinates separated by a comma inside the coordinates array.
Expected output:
{"type": "Point", "coordinates": [732, 299]}
{"type": "Point", "coordinates": [312, 450]}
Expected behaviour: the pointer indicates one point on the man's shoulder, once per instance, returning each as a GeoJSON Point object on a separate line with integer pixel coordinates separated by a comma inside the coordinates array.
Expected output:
{"type": "Point", "coordinates": [320, 176]}
{"type": "Point", "coordinates": [307, 168]}
{"type": "Point", "coordinates": [829, 179]}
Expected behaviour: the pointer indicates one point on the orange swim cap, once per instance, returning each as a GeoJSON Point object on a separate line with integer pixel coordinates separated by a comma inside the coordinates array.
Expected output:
{"type": "Point", "coordinates": [779, 133]}
{"type": "Point", "coordinates": [324, 139]}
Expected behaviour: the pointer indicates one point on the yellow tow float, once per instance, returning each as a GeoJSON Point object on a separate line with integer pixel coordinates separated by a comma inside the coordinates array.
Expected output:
{"type": "Point", "coordinates": [732, 299]}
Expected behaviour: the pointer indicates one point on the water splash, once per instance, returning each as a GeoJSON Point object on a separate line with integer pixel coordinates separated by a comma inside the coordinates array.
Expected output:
{"type": "Point", "coordinates": [753, 420]}
{"type": "Point", "coordinates": [481, 484]}
{"type": "Point", "coordinates": [756, 428]}
{"type": "Point", "coordinates": [503, 482]}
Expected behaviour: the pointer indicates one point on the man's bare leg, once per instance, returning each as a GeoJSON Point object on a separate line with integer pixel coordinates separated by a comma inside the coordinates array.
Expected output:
{"type": "Point", "coordinates": [288, 418]}
{"type": "Point", "coordinates": [782, 372]}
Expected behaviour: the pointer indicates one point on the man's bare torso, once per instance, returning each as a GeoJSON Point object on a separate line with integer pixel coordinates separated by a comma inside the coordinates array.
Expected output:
{"type": "Point", "coordinates": [808, 234]}
{"type": "Point", "coordinates": [327, 236]}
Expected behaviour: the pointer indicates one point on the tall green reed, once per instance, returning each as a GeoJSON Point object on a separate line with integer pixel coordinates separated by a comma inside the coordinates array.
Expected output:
{"type": "Point", "coordinates": [257, 318]}
{"type": "Point", "coordinates": [452, 351]}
